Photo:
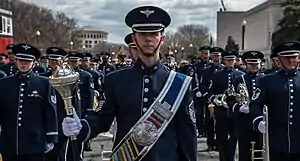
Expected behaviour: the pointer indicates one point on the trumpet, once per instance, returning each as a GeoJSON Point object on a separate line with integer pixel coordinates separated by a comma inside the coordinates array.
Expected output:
{"type": "Point", "coordinates": [265, 147]}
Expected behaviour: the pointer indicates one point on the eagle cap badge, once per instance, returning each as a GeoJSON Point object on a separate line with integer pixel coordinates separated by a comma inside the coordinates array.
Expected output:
{"type": "Point", "coordinates": [147, 12]}
{"type": "Point", "coordinates": [26, 47]}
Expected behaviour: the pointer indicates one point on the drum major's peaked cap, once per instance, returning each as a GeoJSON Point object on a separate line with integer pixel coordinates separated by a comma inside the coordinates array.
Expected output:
{"type": "Point", "coordinates": [216, 50]}
{"type": "Point", "coordinates": [230, 54]}
{"type": "Point", "coordinates": [252, 56]}
{"type": "Point", "coordinates": [26, 52]}
{"type": "Point", "coordinates": [147, 19]}
{"type": "Point", "coordinates": [56, 53]}
{"type": "Point", "coordinates": [290, 48]}
{"type": "Point", "coordinates": [128, 40]}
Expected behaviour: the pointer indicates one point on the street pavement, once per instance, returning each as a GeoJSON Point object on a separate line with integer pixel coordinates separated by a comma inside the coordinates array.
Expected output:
{"type": "Point", "coordinates": [103, 144]}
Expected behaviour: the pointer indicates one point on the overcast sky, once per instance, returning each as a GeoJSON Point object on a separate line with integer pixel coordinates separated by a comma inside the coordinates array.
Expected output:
{"type": "Point", "coordinates": [109, 15]}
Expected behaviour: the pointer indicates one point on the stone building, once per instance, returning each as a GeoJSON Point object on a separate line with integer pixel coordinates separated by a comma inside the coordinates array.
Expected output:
{"type": "Point", "coordinates": [88, 37]}
{"type": "Point", "coordinates": [261, 22]}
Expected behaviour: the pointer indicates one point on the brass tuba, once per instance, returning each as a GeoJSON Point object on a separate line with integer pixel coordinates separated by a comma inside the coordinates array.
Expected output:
{"type": "Point", "coordinates": [223, 97]}
{"type": "Point", "coordinates": [265, 148]}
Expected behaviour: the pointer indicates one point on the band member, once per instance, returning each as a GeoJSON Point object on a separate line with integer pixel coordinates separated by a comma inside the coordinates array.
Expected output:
{"type": "Point", "coordinates": [244, 87]}
{"type": "Point", "coordinates": [275, 66]}
{"type": "Point", "coordinates": [87, 91]}
{"type": "Point", "coordinates": [133, 50]}
{"type": "Point", "coordinates": [205, 87]}
{"type": "Point", "coordinates": [186, 68]}
{"type": "Point", "coordinates": [170, 60]}
{"type": "Point", "coordinates": [122, 63]}
{"type": "Point", "coordinates": [145, 79]}
{"type": "Point", "coordinates": [86, 83]}
{"type": "Point", "coordinates": [105, 66]}
{"type": "Point", "coordinates": [280, 93]}
{"type": "Point", "coordinates": [129, 61]}
{"type": "Point", "coordinates": [94, 64]}
{"type": "Point", "coordinates": [85, 65]}
{"type": "Point", "coordinates": [85, 62]}
{"type": "Point", "coordinates": [3, 58]}
{"type": "Point", "coordinates": [239, 63]}
{"type": "Point", "coordinates": [225, 124]}
{"type": "Point", "coordinates": [202, 63]}
{"type": "Point", "coordinates": [28, 110]}
{"type": "Point", "coordinates": [44, 62]}
{"type": "Point", "coordinates": [10, 68]}
{"type": "Point", "coordinates": [56, 56]}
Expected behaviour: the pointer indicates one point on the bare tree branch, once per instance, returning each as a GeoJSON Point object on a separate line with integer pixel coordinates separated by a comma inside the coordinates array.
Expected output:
{"type": "Point", "coordinates": [187, 38]}
{"type": "Point", "coordinates": [29, 18]}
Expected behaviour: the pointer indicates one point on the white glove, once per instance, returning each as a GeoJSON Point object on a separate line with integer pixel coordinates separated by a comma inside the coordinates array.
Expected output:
{"type": "Point", "coordinates": [71, 126]}
{"type": "Point", "coordinates": [49, 147]}
{"type": "Point", "coordinates": [244, 109]}
{"type": "Point", "coordinates": [262, 127]}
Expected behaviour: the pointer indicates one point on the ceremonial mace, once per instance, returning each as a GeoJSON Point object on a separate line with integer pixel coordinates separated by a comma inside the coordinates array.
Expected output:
{"type": "Point", "coordinates": [64, 81]}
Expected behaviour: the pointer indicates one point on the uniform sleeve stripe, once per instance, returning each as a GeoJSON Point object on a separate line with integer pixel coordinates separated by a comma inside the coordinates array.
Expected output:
{"type": "Point", "coordinates": [257, 118]}
{"type": "Point", "coordinates": [205, 94]}
{"type": "Point", "coordinates": [233, 108]}
{"type": "Point", "coordinates": [52, 133]}
{"type": "Point", "coordinates": [89, 130]}
{"type": "Point", "coordinates": [211, 97]}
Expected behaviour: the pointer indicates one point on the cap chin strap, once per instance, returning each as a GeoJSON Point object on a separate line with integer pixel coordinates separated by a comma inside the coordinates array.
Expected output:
{"type": "Point", "coordinates": [28, 71]}
{"type": "Point", "coordinates": [288, 70]}
{"type": "Point", "coordinates": [155, 50]}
